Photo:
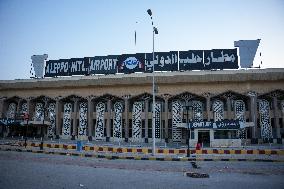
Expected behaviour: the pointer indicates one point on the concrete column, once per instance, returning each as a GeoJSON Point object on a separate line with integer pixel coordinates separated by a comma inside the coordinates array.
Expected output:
{"type": "Point", "coordinates": [28, 112]}
{"type": "Point", "coordinates": [19, 106]}
{"type": "Point", "coordinates": [57, 113]}
{"type": "Point", "coordinates": [45, 110]}
{"type": "Point", "coordinates": [74, 132]}
{"type": "Point", "coordinates": [29, 107]}
{"type": "Point", "coordinates": [229, 111]}
{"type": "Point", "coordinates": [211, 137]}
{"type": "Point", "coordinates": [126, 111]}
{"type": "Point", "coordinates": [166, 119]}
{"type": "Point", "coordinates": [108, 123]}
{"type": "Point", "coordinates": [276, 117]}
{"type": "Point", "coordinates": [2, 107]}
{"type": "Point", "coordinates": [1, 115]}
{"type": "Point", "coordinates": [45, 116]}
{"type": "Point", "coordinates": [146, 119]}
{"type": "Point", "coordinates": [253, 111]}
{"type": "Point", "coordinates": [282, 112]}
{"type": "Point", "coordinates": [90, 118]}
{"type": "Point", "coordinates": [208, 108]}
{"type": "Point", "coordinates": [207, 96]}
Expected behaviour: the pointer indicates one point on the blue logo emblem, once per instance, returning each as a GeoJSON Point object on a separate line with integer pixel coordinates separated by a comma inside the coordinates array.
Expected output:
{"type": "Point", "coordinates": [131, 63]}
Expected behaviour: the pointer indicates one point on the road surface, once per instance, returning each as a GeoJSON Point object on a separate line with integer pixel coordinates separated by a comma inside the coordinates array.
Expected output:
{"type": "Point", "coordinates": [36, 171]}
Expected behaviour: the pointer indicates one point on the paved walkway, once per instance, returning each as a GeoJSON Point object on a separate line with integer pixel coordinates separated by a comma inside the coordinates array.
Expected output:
{"type": "Point", "coordinates": [161, 145]}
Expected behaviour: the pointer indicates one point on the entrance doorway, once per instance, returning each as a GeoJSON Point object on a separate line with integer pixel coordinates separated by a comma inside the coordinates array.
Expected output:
{"type": "Point", "coordinates": [204, 137]}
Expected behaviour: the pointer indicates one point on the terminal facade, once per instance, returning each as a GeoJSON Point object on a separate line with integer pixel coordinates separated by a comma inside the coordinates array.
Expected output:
{"type": "Point", "coordinates": [119, 107]}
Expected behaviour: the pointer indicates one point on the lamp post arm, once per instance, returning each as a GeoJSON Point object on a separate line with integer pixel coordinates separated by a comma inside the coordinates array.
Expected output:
{"type": "Point", "coordinates": [153, 87]}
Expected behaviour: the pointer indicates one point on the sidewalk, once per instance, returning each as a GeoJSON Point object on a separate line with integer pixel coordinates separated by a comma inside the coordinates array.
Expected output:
{"type": "Point", "coordinates": [160, 145]}
{"type": "Point", "coordinates": [112, 151]}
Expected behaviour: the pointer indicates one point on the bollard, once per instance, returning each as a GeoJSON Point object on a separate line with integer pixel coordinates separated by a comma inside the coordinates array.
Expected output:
{"type": "Point", "coordinates": [41, 145]}
{"type": "Point", "coordinates": [25, 144]}
{"type": "Point", "coordinates": [79, 145]}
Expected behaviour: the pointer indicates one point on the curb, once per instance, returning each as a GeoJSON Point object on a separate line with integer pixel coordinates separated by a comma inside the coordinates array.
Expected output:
{"type": "Point", "coordinates": [147, 151]}
{"type": "Point", "coordinates": [113, 157]}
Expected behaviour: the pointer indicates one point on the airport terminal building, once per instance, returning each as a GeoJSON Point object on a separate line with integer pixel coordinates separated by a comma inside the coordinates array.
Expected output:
{"type": "Point", "coordinates": [112, 99]}
{"type": "Point", "coordinates": [119, 107]}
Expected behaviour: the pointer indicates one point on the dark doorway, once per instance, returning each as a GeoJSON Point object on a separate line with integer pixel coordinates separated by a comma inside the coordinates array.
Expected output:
{"type": "Point", "coordinates": [204, 137]}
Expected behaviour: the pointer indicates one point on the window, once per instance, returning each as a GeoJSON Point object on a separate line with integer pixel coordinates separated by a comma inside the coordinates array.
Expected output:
{"type": "Point", "coordinates": [272, 122]}
{"type": "Point", "coordinates": [123, 128]}
{"type": "Point", "coordinates": [149, 128]}
{"type": "Point", "coordinates": [111, 127]}
{"type": "Point", "coordinates": [130, 128]}
{"type": "Point", "coordinates": [225, 134]}
{"type": "Point", "coordinates": [280, 123]}
{"type": "Point", "coordinates": [143, 128]}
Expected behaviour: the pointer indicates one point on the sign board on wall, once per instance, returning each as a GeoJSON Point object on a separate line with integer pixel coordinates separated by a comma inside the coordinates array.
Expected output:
{"type": "Point", "coordinates": [191, 60]}
{"type": "Point", "coordinates": [224, 124]}
{"type": "Point", "coordinates": [103, 64]}
{"type": "Point", "coordinates": [164, 61]}
{"type": "Point", "coordinates": [130, 63]}
{"type": "Point", "coordinates": [78, 66]}
{"type": "Point", "coordinates": [221, 125]}
{"type": "Point", "coordinates": [221, 59]}
{"type": "Point", "coordinates": [143, 62]}
{"type": "Point", "coordinates": [57, 68]}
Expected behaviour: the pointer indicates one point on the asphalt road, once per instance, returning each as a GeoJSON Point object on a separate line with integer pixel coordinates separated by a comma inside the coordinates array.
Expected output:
{"type": "Point", "coordinates": [36, 171]}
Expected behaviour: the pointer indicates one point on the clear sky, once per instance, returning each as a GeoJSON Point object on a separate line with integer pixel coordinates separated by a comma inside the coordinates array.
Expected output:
{"type": "Point", "coordinates": [77, 29]}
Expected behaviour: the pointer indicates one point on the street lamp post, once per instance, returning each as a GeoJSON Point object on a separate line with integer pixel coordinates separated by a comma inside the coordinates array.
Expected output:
{"type": "Point", "coordinates": [41, 130]}
{"type": "Point", "coordinates": [188, 129]}
{"type": "Point", "coordinates": [26, 118]}
{"type": "Point", "coordinates": [187, 106]}
{"type": "Point", "coordinates": [42, 127]}
{"type": "Point", "coordinates": [155, 31]}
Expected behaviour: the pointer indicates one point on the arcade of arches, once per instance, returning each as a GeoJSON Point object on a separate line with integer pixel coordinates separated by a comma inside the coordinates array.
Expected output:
{"type": "Point", "coordinates": [103, 113]}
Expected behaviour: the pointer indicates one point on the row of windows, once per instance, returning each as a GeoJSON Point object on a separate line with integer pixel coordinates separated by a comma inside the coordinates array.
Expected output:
{"type": "Point", "coordinates": [272, 122]}
{"type": "Point", "coordinates": [163, 106]}
{"type": "Point", "coordinates": [183, 105]}
{"type": "Point", "coordinates": [219, 134]}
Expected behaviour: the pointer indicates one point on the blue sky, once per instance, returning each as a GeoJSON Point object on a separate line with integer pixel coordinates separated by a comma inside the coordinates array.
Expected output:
{"type": "Point", "coordinates": [70, 29]}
